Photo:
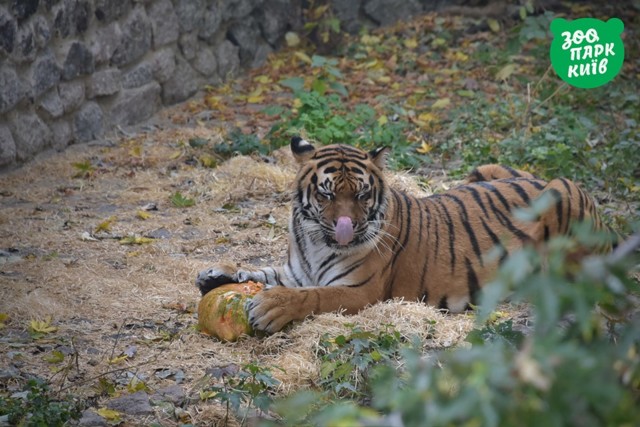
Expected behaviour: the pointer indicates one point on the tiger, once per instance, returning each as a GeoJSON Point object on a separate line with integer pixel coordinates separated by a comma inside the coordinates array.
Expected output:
{"type": "Point", "coordinates": [355, 241]}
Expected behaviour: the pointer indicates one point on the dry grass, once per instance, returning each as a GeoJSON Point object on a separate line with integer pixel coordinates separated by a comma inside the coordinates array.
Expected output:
{"type": "Point", "coordinates": [104, 296]}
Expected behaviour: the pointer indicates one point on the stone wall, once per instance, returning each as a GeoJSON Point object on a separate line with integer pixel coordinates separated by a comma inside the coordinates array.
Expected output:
{"type": "Point", "coordinates": [70, 70]}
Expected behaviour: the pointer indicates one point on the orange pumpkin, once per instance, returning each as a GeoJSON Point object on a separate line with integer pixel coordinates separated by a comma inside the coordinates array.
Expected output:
{"type": "Point", "coordinates": [221, 312]}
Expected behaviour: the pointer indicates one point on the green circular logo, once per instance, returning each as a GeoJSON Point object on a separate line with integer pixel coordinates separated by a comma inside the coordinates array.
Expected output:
{"type": "Point", "coordinates": [587, 52]}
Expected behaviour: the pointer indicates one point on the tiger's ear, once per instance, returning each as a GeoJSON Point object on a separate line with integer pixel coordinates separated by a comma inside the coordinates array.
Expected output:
{"type": "Point", "coordinates": [302, 149]}
{"type": "Point", "coordinates": [379, 157]}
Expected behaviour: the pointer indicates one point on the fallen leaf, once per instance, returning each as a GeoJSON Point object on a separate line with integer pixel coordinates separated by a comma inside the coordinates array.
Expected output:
{"type": "Point", "coordinates": [505, 72]}
{"type": "Point", "coordinates": [303, 56]}
{"type": "Point", "coordinates": [41, 327]}
{"type": "Point", "coordinates": [441, 103]}
{"type": "Point", "coordinates": [292, 39]}
{"type": "Point", "coordinates": [494, 25]}
{"type": "Point", "coordinates": [55, 357]}
{"type": "Point", "coordinates": [424, 148]}
{"type": "Point", "coordinates": [411, 43]}
{"type": "Point", "coordinates": [105, 225]}
{"type": "Point", "coordinates": [143, 215]}
{"type": "Point", "coordinates": [135, 240]}
{"type": "Point", "coordinates": [109, 415]}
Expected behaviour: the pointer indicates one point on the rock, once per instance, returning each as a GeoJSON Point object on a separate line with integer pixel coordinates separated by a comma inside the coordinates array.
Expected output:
{"type": "Point", "coordinates": [132, 404]}
{"type": "Point", "coordinates": [25, 45]}
{"type": "Point", "coordinates": [135, 105]}
{"type": "Point", "coordinates": [79, 61]}
{"type": "Point", "coordinates": [71, 95]}
{"type": "Point", "coordinates": [51, 104]}
{"type": "Point", "coordinates": [41, 31]}
{"type": "Point", "coordinates": [71, 17]}
{"type": "Point", "coordinates": [110, 10]}
{"type": "Point", "coordinates": [189, 14]}
{"type": "Point", "coordinates": [387, 12]}
{"type": "Point", "coordinates": [45, 73]}
{"type": "Point", "coordinates": [13, 90]}
{"type": "Point", "coordinates": [80, 16]}
{"type": "Point", "coordinates": [31, 134]}
{"type": "Point", "coordinates": [173, 394]}
{"type": "Point", "coordinates": [7, 147]}
{"type": "Point", "coordinates": [24, 8]}
{"type": "Point", "coordinates": [206, 62]}
{"type": "Point", "coordinates": [164, 64]}
{"type": "Point", "coordinates": [236, 9]}
{"type": "Point", "coordinates": [348, 12]}
{"type": "Point", "coordinates": [91, 419]}
{"type": "Point", "coordinates": [62, 135]}
{"type": "Point", "coordinates": [88, 122]}
{"type": "Point", "coordinates": [210, 23]}
{"type": "Point", "coordinates": [136, 38]}
{"type": "Point", "coordinates": [104, 41]}
{"type": "Point", "coordinates": [246, 35]}
{"type": "Point", "coordinates": [261, 55]}
{"type": "Point", "coordinates": [277, 17]}
{"type": "Point", "coordinates": [159, 233]}
{"type": "Point", "coordinates": [188, 44]}
{"type": "Point", "coordinates": [164, 23]}
{"type": "Point", "coordinates": [140, 75]}
{"type": "Point", "coordinates": [105, 82]}
{"type": "Point", "coordinates": [227, 55]}
{"type": "Point", "coordinates": [184, 83]}
{"type": "Point", "coordinates": [8, 31]}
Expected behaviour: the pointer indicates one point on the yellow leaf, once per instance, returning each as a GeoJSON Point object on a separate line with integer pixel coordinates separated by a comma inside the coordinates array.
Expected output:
{"type": "Point", "coordinates": [384, 79]}
{"type": "Point", "coordinates": [176, 154]}
{"type": "Point", "coordinates": [255, 99]}
{"type": "Point", "coordinates": [214, 102]}
{"type": "Point", "coordinates": [106, 224]}
{"type": "Point", "coordinates": [292, 39]}
{"type": "Point", "coordinates": [262, 79]}
{"type": "Point", "coordinates": [118, 359]}
{"type": "Point", "coordinates": [411, 43]}
{"type": "Point", "coordinates": [424, 148]}
{"type": "Point", "coordinates": [143, 215]}
{"type": "Point", "coordinates": [441, 103]}
{"type": "Point", "coordinates": [370, 40]}
{"type": "Point", "coordinates": [494, 25]}
{"type": "Point", "coordinates": [297, 103]}
{"type": "Point", "coordinates": [109, 414]}
{"type": "Point", "coordinates": [42, 326]}
{"type": "Point", "coordinates": [136, 151]}
{"type": "Point", "coordinates": [135, 240]}
{"type": "Point", "coordinates": [383, 120]}
{"type": "Point", "coordinates": [208, 161]}
{"type": "Point", "coordinates": [3, 319]}
{"type": "Point", "coordinates": [427, 117]}
{"type": "Point", "coordinates": [505, 72]}
{"type": "Point", "coordinates": [303, 56]}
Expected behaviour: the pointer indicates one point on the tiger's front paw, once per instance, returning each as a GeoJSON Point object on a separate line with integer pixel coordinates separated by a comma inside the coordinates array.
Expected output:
{"type": "Point", "coordinates": [218, 275]}
{"type": "Point", "coordinates": [272, 309]}
{"type": "Point", "coordinates": [221, 274]}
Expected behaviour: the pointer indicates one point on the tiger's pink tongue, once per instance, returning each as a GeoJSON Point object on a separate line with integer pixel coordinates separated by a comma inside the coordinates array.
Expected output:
{"type": "Point", "coordinates": [344, 230]}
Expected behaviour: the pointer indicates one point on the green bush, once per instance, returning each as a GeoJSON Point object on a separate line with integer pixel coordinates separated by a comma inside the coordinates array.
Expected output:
{"type": "Point", "coordinates": [35, 406]}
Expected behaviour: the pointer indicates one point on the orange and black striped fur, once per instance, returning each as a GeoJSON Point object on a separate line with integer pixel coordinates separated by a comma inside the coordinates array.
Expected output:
{"type": "Point", "coordinates": [354, 241]}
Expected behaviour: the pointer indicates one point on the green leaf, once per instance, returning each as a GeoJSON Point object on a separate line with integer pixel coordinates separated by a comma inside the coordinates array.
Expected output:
{"type": "Point", "coordinates": [180, 201]}
{"type": "Point", "coordinates": [296, 84]}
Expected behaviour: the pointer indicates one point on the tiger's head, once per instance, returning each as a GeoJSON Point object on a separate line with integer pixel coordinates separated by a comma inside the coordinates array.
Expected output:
{"type": "Point", "coordinates": [340, 194]}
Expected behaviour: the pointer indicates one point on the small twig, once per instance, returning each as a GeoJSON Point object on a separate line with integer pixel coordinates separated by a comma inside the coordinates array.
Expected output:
{"type": "Point", "coordinates": [95, 377]}
{"type": "Point", "coordinates": [115, 343]}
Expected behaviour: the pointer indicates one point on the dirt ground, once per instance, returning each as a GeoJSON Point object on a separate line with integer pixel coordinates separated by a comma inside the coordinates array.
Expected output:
{"type": "Point", "coordinates": [90, 239]}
